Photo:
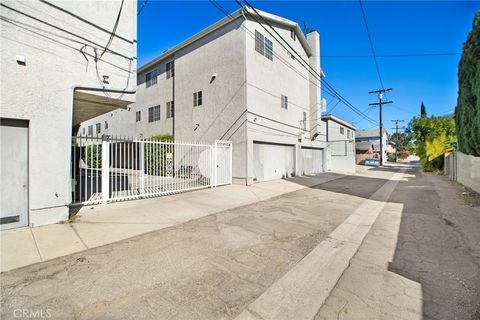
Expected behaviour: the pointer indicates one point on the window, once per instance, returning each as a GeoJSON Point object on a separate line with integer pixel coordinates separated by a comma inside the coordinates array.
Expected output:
{"type": "Point", "coordinates": [151, 78]}
{"type": "Point", "coordinates": [293, 35]}
{"type": "Point", "coordinates": [138, 116]}
{"type": "Point", "coordinates": [197, 99]}
{"type": "Point", "coordinates": [98, 128]}
{"type": "Point", "coordinates": [154, 113]}
{"type": "Point", "coordinates": [170, 109]}
{"type": "Point", "coordinates": [83, 130]}
{"type": "Point", "coordinates": [170, 69]}
{"type": "Point", "coordinates": [348, 134]}
{"type": "Point", "coordinates": [342, 130]}
{"type": "Point", "coordinates": [304, 120]}
{"type": "Point", "coordinates": [284, 104]}
{"type": "Point", "coordinates": [90, 130]}
{"type": "Point", "coordinates": [106, 125]}
{"type": "Point", "coordinates": [263, 45]}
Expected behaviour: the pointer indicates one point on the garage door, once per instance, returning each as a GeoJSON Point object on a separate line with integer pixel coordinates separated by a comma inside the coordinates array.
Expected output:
{"type": "Point", "coordinates": [312, 160]}
{"type": "Point", "coordinates": [272, 161]}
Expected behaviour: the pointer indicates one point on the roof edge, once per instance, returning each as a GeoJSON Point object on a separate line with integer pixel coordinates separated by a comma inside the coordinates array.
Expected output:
{"type": "Point", "coordinates": [338, 120]}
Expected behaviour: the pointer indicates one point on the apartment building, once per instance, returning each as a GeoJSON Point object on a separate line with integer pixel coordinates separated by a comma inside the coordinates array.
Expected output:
{"type": "Point", "coordinates": [63, 63]}
{"type": "Point", "coordinates": [251, 78]}
{"type": "Point", "coordinates": [341, 144]}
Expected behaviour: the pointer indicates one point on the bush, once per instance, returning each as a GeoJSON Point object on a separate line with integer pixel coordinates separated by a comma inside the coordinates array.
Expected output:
{"type": "Point", "coordinates": [93, 155]}
{"type": "Point", "coordinates": [157, 159]}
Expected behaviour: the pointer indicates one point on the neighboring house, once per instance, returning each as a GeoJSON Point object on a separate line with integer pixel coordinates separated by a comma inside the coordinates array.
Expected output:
{"type": "Point", "coordinates": [56, 73]}
{"type": "Point", "coordinates": [365, 150]}
{"type": "Point", "coordinates": [373, 136]}
{"type": "Point", "coordinates": [234, 81]}
{"type": "Point", "coordinates": [341, 144]}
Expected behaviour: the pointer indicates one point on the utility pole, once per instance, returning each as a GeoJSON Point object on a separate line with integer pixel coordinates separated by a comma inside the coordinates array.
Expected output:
{"type": "Point", "coordinates": [380, 103]}
{"type": "Point", "coordinates": [397, 121]}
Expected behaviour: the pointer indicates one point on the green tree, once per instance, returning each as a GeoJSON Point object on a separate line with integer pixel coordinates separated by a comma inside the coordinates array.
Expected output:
{"type": "Point", "coordinates": [431, 138]}
{"type": "Point", "coordinates": [401, 140]}
{"type": "Point", "coordinates": [467, 112]}
{"type": "Point", "coordinates": [157, 157]}
{"type": "Point", "coordinates": [423, 110]}
{"type": "Point", "coordinates": [93, 156]}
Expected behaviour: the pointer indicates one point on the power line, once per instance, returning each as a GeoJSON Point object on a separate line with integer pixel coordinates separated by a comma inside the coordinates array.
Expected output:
{"type": "Point", "coordinates": [331, 90]}
{"type": "Point", "coordinates": [395, 55]}
{"type": "Point", "coordinates": [371, 44]}
{"type": "Point", "coordinates": [141, 8]}
{"type": "Point", "coordinates": [112, 34]}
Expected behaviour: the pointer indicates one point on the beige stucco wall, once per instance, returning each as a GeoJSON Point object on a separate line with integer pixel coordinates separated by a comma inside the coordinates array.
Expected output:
{"type": "Point", "coordinates": [42, 90]}
{"type": "Point", "coordinates": [468, 170]}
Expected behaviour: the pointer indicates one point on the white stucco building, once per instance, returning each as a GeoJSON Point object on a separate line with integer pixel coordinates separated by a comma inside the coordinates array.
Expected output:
{"type": "Point", "coordinates": [62, 63]}
{"type": "Point", "coordinates": [341, 144]}
{"type": "Point", "coordinates": [236, 81]}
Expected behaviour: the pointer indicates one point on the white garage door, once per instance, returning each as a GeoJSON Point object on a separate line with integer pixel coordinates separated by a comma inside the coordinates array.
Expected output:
{"type": "Point", "coordinates": [272, 161]}
{"type": "Point", "coordinates": [312, 162]}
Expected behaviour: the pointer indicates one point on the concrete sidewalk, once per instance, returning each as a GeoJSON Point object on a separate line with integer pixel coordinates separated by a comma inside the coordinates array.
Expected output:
{"type": "Point", "coordinates": [99, 225]}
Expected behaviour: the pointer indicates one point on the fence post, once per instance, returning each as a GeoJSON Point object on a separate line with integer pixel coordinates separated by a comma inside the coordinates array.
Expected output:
{"type": "Point", "coordinates": [215, 164]}
{"type": "Point", "coordinates": [231, 162]}
{"type": "Point", "coordinates": [105, 168]}
{"type": "Point", "coordinates": [142, 167]}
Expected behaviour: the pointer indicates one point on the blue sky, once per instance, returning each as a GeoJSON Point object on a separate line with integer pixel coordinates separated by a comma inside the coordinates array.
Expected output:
{"type": "Point", "coordinates": [408, 27]}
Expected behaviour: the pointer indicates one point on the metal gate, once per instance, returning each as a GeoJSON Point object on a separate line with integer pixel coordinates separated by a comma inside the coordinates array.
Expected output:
{"type": "Point", "coordinates": [108, 169]}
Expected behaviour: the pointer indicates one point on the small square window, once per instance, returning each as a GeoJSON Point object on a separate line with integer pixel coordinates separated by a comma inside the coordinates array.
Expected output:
{"type": "Point", "coordinates": [151, 78]}
{"type": "Point", "coordinates": [154, 113]}
{"type": "Point", "coordinates": [197, 99]}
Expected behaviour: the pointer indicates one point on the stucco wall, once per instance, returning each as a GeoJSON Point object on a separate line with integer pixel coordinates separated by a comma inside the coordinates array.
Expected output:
{"type": "Point", "coordinates": [41, 91]}
{"type": "Point", "coordinates": [468, 171]}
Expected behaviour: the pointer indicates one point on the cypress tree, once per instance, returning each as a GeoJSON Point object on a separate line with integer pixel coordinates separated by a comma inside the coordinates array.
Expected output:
{"type": "Point", "coordinates": [467, 111]}
{"type": "Point", "coordinates": [423, 110]}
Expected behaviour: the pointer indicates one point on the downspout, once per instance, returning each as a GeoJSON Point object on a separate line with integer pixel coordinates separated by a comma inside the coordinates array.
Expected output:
{"type": "Point", "coordinates": [246, 101]}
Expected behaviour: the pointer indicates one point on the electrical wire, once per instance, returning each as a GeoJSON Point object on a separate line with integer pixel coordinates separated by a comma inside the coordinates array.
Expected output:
{"type": "Point", "coordinates": [112, 34]}
{"type": "Point", "coordinates": [142, 7]}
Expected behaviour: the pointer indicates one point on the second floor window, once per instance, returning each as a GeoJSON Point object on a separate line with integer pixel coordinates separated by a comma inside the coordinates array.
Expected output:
{"type": "Point", "coordinates": [106, 125]}
{"type": "Point", "coordinates": [284, 102]}
{"type": "Point", "coordinates": [151, 78]}
{"type": "Point", "coordinates": [90, 130]}
{"type": "Point", "coordinates": [293, 35]}
{"type": "Point", "coordinates": [170, 109]}
{"type": "Point", "coordinates": [154, 113]}
{"type": "Point", "coordinates": [342, 130]}
{"type": "Point", "coordinates": [138, 116]}
{"type": "Point", "coordinates": [98, 128]}
{"type": "Point", "coordinates": [197, 99]}
{"type": "Point", "coordinates": [348, 134]}
{"type": "Point", "coordinates": [263, 45]}
{"type": "Point", "coordinates": [170, 69]}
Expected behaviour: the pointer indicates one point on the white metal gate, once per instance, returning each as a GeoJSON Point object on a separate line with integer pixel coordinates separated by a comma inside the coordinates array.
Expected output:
{"type": "Point", "coordinates": [108, 169]}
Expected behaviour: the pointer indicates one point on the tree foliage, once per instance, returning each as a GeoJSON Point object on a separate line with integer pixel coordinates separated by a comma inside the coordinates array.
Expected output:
{"type": "Point", "coordinates": [158, 159]}
{"type": "Point", "coordinates": [423, 110]}
{"type": "Point", "coordinates": [401, 140]}
{"type": "Point", "coordinates": [467, 112]}
{"type": "Point", "coordinates": [431, 138]}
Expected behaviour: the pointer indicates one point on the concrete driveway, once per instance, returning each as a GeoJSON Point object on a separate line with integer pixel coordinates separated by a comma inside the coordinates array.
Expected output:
{"type": "Point", "coordinates": [275, 259]}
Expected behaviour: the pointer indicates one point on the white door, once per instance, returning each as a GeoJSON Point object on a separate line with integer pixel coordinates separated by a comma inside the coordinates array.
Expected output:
{"type": "Point", "coordinates": [273, 161]}
{"type": "Point", "coordinates": [14, 173]}
{"type": "Point", "coordinates": [312, 161]}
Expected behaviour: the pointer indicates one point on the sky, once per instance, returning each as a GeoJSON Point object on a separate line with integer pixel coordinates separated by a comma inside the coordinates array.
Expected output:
{"type": "Point", "coordinates": [407, 27]}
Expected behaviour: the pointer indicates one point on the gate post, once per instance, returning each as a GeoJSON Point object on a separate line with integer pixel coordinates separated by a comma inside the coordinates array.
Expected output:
{"type": "Point", "coordinates": [142, 167]}
{"type": "Point", "coordinates": [215, 164]}
{"type": "Point", "coordinates": [105, 168]}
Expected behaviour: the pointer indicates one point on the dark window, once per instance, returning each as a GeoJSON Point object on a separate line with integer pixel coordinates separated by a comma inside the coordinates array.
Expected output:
{"type": "Point", "coordinates": [106, 125]}
{"type": "Point", "coordinates": [151, 78]}
{"type": "Point", "coordinates": [197, 99]}
{"type": "Point", "coordinates": [138, 116]}
{"type": "Point", "coordinates": [293, 35]}
{"type": "Point", "coordinates": [98, 128]}
{"type": "Point", "coordinates": [348, 134]}
{"type": "Point", "coordinates": [284, 104]}
{"type": "Point", "coordinates": [342, 130]}
{"type": "Point", "coordinates": [263, 45]}
{"type": "Point", "coordinates": [153, 114]}
{"type": "Point", "coordinates": [83, 130]}
{"type": "Point", "coordinates": [90, 130]}
{"type": "Point", "coordinates": [170, 69]}
{"type": "Point", "coordinates": [170, 109]}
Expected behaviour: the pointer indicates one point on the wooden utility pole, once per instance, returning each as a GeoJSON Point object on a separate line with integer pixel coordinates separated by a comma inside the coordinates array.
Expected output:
{"type": "Point", "coordinates": [380, 103]}
{"type": "Point", "coordinates": [397, 121]}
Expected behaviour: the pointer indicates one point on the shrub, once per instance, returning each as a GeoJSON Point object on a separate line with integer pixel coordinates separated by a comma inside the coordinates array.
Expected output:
{"type": "Point", "coordinates": [156, 158]}
{"type": "Point", "coordinates": [93, 156]}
